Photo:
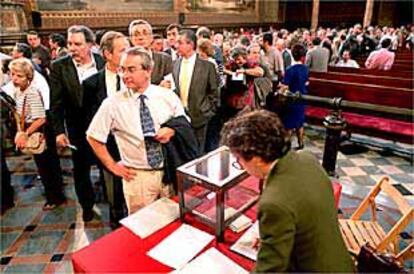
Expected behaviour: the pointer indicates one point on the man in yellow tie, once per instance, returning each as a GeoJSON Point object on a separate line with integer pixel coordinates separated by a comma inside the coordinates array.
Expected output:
{"type": "Point", "coordinates": [197, 85]}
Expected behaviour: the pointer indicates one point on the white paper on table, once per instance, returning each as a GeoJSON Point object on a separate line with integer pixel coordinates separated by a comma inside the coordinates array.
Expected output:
{"type": "Point", "coordinates": [211, 261]}
{"type": "Point", "coordinates": [245, 244]}
{"type": "Point", "coordinates": [152, 217]}
{"type": "Point", "coordinates": [181, 246]}
{"type": "Point", "coordinates": [170, 78]}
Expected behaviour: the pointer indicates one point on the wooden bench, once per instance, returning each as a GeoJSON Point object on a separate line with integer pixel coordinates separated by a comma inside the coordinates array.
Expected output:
{"type": "Point", "coordinates": [365, 79]}
{"type": "Point", "coordinates": [391, 73]}
{"type": "Point", "coordinates": [386, 128]}
{"type": "Point", "coordinates": [366, 93]}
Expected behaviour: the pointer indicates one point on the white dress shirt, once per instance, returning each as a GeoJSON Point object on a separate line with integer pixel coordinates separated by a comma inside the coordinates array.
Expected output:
{"type": "Point", "coordinates": [120, 115]}
{"type": "Point", "coordinates": [85, 70]}
{"type": "Point", "coordinates": [110, 82]}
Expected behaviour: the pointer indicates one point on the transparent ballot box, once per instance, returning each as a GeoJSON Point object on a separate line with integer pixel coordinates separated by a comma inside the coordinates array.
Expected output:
{"type": "Point", "coordinates": [215, 190]}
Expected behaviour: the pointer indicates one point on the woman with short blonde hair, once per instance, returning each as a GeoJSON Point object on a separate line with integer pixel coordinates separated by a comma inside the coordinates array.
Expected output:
{"type": "Point", "coordinates": [30, 108]}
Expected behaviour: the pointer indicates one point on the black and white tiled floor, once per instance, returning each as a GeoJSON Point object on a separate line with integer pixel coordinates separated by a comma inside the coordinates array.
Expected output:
{"type": "Point", "coordinates": [35, 241]}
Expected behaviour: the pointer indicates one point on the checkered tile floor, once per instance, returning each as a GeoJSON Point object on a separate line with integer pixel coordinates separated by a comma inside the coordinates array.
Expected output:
{"type": "Point", "coordinates": [34, 241]}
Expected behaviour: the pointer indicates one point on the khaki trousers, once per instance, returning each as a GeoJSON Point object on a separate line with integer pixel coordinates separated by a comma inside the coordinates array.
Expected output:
{"type": "Point", "coordinates": [144, 188]}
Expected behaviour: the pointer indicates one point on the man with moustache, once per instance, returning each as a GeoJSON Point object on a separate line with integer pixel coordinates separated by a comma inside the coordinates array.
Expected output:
{"type": "Point", "coordinates": [105, 83]}
{"type": "Point", "coordinates": [66, 77]}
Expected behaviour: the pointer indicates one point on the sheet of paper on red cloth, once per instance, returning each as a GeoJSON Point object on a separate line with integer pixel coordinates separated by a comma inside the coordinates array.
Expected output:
{"type": "Point", "coordinates": [153, 217]}
{"type": "Point", "coordinates": [122, 251]}
{"type": "Point", "coordinates": [181, 246]}
{"type": "Point", "coordinates": [214, 261]}
{"type": "Point", "coordinates": [245, 244]}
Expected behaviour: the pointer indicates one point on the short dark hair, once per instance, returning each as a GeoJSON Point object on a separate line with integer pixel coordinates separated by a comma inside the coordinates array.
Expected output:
{"type": "Point", "coordinates": [58, 38]}
{"type": "Point", "coordinates": [25, 49]}
{"type": "Point", "coordinates": [386, 43]}
{"type": "Point", "coordinates": [98, 35]}
{"type": "Point", "coordinates": [244, 40]}
{"type": "Point", "coordinates": [257, 133]}
{"type": "Point", "coordinates": [298, 51]}
{"type": "Point", "coordinates": [268, 37]}
{"type": "Point", "coordinates": [87, 32]}
{"type": "Point", "coordinates": [157, 36]}
{"type": "Point", "coordinates": [190, 36]}
{"type": "Point", "coordinates": [173, 26]}
{"type": "Point", "coordinates": [316, 41]}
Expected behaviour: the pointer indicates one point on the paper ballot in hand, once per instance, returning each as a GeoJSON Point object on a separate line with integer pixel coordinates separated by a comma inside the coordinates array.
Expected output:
{"type": "Point", "coordinates": [170, 78]}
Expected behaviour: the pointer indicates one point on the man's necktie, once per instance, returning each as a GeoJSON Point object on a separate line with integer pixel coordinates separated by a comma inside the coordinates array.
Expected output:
{"type": "Point", "coordinates": [118, 83]}
{"type": "Point", "coordinates": [184, 82]}
{"type": "Point", "coordinates": [153, 147]}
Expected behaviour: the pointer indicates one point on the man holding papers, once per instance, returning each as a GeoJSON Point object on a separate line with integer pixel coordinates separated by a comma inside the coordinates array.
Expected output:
{"type": "Point", "coordinates": [135, 117]}
{"type": "Point", "coordinates": [298, 223]}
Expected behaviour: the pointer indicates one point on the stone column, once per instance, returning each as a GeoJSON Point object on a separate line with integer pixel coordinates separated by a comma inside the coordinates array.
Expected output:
{"type": "Point", "coordinates": [315, 15]}
{"type": "Point", "coordinates": [369, 8]}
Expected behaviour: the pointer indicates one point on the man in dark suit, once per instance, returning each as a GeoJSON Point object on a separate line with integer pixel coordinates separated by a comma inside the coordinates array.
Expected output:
{"type": "Point", "coordinates": [67, 74]}
{"type": "Point", "coordinates": [172, 35]}
{"type": "Point", "coordinates": [196, 85]}
{"type": "Point", "coordinates": [96, 88]}
{"type": "Point", "coordinates": [140, 32]}
{"type": "Point", "coordinates": [39, 51]}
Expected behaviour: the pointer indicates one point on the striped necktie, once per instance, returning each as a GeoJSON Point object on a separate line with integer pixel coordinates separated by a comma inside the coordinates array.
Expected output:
{"type": "Point", "coordinates": [152, 147]}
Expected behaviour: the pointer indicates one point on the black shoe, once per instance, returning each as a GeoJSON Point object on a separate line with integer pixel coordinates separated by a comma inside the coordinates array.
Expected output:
{"type": "Point", "coordinates": [87, 215]}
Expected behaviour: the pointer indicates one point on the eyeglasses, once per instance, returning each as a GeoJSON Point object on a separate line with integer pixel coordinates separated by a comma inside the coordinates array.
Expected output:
{"type": "Point", "coordinates": [236, 164]}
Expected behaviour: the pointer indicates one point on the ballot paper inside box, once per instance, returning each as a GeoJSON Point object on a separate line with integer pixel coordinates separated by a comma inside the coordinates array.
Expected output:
{"type": "Point", "coordinates": [215, 191]}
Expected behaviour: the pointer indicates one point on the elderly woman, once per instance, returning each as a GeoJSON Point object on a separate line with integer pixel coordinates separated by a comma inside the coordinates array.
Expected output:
{"type": "Point", "coordinates": [29, 106]}
{"type": "Point", "coordinates": [297, 217]}
{"type": "Point", "coordinates": [239, 88]}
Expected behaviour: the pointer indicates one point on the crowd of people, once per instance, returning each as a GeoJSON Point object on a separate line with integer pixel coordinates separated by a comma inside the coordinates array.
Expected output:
{"type": "Point", "coordinates": [139, 105]}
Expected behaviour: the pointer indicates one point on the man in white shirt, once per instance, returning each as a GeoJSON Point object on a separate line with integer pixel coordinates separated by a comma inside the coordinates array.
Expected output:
{"type": "Point", "coordinates": [135, 116]}
{"type": "Point", "coordinates": [346, 61]}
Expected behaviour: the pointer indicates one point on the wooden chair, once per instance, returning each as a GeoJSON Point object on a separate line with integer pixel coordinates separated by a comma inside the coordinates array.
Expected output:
{"type": "Point", "coordinates": [357, 232]}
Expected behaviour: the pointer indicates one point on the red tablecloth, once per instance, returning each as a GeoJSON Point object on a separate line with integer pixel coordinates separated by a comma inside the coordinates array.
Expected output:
{"type": "Point", "coordinates": [123, 251]}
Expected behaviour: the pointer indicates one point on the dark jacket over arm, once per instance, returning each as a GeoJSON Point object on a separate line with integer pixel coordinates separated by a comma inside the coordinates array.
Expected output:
{"type": "Point", "coordinates": [182, 148]}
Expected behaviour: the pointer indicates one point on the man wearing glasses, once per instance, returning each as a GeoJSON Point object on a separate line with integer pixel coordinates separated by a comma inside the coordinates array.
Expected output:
{"type": "Point", "coordinates": [298, 221]}
{"type": "Point", "coordinates": [135, 116]}
{"type": "Point", "coordinates": [140, 32]}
